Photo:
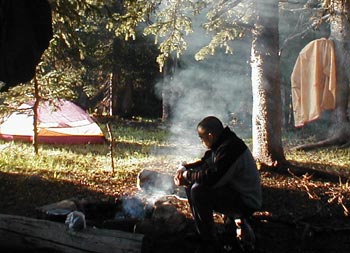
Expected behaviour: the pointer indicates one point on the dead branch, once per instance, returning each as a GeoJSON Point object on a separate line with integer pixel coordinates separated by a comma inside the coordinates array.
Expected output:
{"type": "Point", "coordinates": [339, 136]}
{"type": "Point", "coordinates": [297, 223]}
{"type": "Point", "coordinates": [346, 145]}
{"type": "Point", "coordinates": [334, 141]}
{"type": "Point", "coordinates": [337, 195]}
{"type": "Point", "coordinates": [304, 181]}
{"type": "Point", "coordinates": [287, 167]}
{"type": "Point", "coordinates": [313, 26]}
{"type": "Point", "coordinates": [223, 6]}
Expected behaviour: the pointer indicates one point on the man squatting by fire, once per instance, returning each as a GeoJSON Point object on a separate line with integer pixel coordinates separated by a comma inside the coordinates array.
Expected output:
{"type": "Point", "coordinates": [225, 180]}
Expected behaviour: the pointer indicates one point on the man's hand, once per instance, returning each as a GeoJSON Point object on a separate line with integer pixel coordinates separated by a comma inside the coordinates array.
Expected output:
{"type": "Point", "coordinates": [180, 177]}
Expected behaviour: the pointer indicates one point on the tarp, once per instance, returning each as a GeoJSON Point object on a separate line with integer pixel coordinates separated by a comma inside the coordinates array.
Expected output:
{"type": "Point", "coordinates": [59, 122]}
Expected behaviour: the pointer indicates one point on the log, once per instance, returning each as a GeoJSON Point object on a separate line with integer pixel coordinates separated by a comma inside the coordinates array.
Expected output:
{"type": "Point", "coordinates": [19, 233]}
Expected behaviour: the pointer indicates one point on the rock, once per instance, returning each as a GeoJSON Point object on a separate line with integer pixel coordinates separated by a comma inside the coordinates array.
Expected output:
{"type": "Point", "coordinates": [57, 211]}
{"type": "Point", "coordinates": [154, 182]}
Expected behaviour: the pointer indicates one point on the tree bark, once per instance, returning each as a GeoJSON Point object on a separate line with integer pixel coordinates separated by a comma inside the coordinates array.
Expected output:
{"type": "Point", "coordinates": [128, 100]}
{"type": "Point", "coordinates": [114, 93]}
{"type": "Point", "coordinates": [340, 34]}
{"type": "Point", "coordinates": [267, 111]}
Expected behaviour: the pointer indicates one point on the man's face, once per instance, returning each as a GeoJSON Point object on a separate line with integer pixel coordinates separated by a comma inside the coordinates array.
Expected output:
{"type": "Point", "coordinates": [205, 137]}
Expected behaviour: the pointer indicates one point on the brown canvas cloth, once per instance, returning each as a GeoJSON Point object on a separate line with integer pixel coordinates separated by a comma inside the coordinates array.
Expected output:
{"type": "Point", "coordinates": [313, 81]}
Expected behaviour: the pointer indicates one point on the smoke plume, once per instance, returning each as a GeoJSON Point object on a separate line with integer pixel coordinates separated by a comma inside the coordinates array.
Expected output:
{"type": "Point", "coordinates": [219, 85]}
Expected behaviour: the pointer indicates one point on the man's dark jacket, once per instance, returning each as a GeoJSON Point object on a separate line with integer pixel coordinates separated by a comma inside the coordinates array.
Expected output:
{"type": "Point", "coordinates": [229, 163]}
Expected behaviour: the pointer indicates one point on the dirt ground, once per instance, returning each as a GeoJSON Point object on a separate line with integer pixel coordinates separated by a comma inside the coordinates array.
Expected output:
{"type": "Point", "coordinates": [299, 214]}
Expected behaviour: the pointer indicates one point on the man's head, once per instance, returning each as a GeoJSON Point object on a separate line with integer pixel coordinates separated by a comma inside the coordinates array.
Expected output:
{"type": "Point", "coordinates": [209, 130]}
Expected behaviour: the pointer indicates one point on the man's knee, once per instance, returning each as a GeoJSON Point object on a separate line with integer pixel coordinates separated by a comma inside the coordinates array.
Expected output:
{"type": "Point", "coordinates": [199, 191]}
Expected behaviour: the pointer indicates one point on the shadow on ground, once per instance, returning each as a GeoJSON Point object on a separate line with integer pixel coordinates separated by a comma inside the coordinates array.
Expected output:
{"type": "Point", "coordinates": [290, 221]}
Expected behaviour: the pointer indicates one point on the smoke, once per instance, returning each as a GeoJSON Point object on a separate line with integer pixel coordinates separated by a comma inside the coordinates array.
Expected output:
{"type": "Point", "coordinates": [219, 85]}
{"type": "Point", "coordinates": [133, 207]}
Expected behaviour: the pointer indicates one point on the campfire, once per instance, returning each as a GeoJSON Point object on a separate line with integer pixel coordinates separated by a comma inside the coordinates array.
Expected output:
{"type": "Point", "coordinates": [152, 211]}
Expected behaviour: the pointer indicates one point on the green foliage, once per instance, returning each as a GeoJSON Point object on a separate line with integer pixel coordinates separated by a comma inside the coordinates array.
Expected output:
{"type": "Point", "coordinates": [15, 96]}
{"type": "Point", "coordinates": [72, 56]}
{"type": "Point", "coordinates": [173, 24]}
{"type": "Point", "coordinates": [52, 84]}
{"type": "Point", "coordinates": [85, 51]}
{"type": "Point", "coordinates": [83, 54]}
{"type": "Point", "coordinates": [227, 21]}
{"type": "Point", "coordinates": [69, 17]}
{"type": "Point", "coordinates": [169, 22]}
{"type": "Point", "coordinates": [135, 12]}
{"type": "Point", "coordinates": [79, 54]}
{"type": "Point", "coordinates": [329, 4]}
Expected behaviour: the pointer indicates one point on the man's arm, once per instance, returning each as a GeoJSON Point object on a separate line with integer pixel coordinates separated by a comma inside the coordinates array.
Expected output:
{"type": "Point", "coordinates": [181, 178]}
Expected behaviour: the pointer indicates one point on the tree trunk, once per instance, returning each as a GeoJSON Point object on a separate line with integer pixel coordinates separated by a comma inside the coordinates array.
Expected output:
{"type": "Point", "coordinates": [114, 94]}
{"type": "Point", "coordinates": [267, 112]}
{"type": "Point", "coordinates": [128, 100]}
{"type": "Point", "coordinates": [340, 34]}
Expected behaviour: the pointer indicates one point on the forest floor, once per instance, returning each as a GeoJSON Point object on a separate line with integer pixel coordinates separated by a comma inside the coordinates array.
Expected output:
{"type": "Point", "coordinates": [299, 214]}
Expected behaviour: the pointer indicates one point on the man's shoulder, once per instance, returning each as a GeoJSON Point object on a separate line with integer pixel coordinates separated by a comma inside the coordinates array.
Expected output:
{"type": "Point", "coordinates": [232, 143]}
{"type": "Point", "coordinates": [231, 138]}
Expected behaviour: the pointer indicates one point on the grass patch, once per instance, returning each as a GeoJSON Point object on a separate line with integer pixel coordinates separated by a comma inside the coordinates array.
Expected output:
{"type": "Point", "coordinates": [329, 159]}
{"type": "Point", "coordinates": [134, 150]}
{"type": "Point", "coordinates": [89, 165]}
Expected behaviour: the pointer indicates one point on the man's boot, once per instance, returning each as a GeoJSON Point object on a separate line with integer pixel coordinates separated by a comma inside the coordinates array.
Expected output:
{"type": "Point", "coordinates": [245, 235]}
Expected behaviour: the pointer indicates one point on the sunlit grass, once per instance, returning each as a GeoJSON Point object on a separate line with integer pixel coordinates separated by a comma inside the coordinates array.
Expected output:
{"type": "Point", "coordinates": [329, 159]}
{"type": "Point", "coordinates": [146, 136]}
{"type": "Point", "coordinates": [134, 147]}
{"type": "Point", "coordinates": [335, 159]}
